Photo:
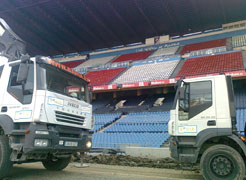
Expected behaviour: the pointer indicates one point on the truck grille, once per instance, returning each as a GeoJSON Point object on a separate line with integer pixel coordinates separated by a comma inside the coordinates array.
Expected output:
{"type": "Point", "coordinates": [69, 118]}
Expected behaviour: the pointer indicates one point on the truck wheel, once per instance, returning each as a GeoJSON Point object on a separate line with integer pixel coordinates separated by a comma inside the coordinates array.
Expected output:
{"type": "Point", "coordinates": [5, 151]}
{"type": "Point", "coordinates": [221, 162]}
{"type": "Point", "coordinates": [56, 164]}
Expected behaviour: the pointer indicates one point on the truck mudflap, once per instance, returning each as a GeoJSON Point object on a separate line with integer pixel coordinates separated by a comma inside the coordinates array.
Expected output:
{"type": "Point", "coordinates": [54, 139]}
{"type": "Point", "coordinates": [174, 148]}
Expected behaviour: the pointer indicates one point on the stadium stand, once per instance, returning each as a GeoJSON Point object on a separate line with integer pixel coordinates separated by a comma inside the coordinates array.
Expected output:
{"type": "Point", "coordinates": [238, 41]}
{"type": "Point", "coordinates": [212, 64]}
{"type": "Point", "coordinates": [133, 56]}
{"type": "Point", "coordinates": [137, 129]}
{"type": "Point", "coordinates": [103, 77]}
{"type": "Point", "coordinates": [147, 72]}
{"type": "Point", "coordinates": [203, 45]}
{"type": "Point", "coordinates": [96, 62]}
{"type": "Point", "coordinates": [73, 64]}
{"type": "Point", "coordinates": [165, 51]}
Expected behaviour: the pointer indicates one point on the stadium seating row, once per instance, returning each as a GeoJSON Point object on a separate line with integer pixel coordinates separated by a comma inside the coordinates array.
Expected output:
{"type": "Point", "coordinates": [203, 45]}
{"type": "Point", "coordinates": [238, 41]}
{"type": "Point", "coordinates": [104, 76]}
{"type": "Point", "coordinates": [73, 64]}
{"type": "Point", "coordinates": [133, 56]}
{"type": "Point", "coordinates": [115, 140]}
{"type": "Point", "coordinates": [104, 119]}
{"type": "Point", "coordinates": [212, 64]}
{"type": "Point", "coordinates": [147, 72]}
{"type": "Point", "coordinates": [165, 51]}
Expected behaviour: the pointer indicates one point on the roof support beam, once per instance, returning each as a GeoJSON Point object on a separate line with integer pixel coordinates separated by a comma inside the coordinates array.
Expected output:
{"type": "Point", "coordinates": [223, 11]}
{"type": "Point", "coordinates": [78, 22]}
{"type": "Point", "coordinates": [145, 17]}
{"type": "Point", "coordinates": [100, 22]}
{"type": "Point", "coordinates": [165, 5]}
{"type": "Point", "coordinates": [63, 28]}
{"type": "Point", "coordinates": [25, 6]}
{"type": "Point", "coordinates": [122, 19]}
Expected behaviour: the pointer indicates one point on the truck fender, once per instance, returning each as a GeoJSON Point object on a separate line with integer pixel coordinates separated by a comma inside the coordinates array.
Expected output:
{"type": "Point", "coordinates": [6, 123]}
{"type": "Point", "coordinates": [239, 142]}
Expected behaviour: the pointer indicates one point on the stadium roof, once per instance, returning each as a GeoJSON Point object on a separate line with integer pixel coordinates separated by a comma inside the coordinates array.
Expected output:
{"type": "Point", "coordinates": [53, 27]}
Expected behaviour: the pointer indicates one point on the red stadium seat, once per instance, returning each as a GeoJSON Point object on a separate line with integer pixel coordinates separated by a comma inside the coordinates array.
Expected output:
{"type": "Point", "coordinates": [203, 45]}
{"type": "Point", "coordinates": [133, 56]}
{"type": "Point", "coordinates": [73, 64]}
{"type": "Point", "coordinates": [103, 77]}
{"type": "Point", "coordinates": [212, 64]}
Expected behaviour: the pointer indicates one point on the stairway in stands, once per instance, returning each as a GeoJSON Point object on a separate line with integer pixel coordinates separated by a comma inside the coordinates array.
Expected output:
{"type": "Point", "coordinates": [121, 117]}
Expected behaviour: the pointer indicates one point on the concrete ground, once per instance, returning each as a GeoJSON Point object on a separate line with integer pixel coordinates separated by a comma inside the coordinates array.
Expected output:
{"type": "Point", "coordinates": [35, 171]}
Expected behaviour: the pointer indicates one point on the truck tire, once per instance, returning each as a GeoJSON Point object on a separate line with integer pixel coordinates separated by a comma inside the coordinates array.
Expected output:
{"type": "Point", "coordinates": [5, 152]}
{"type": "Point", "coordinates": [221, 162]}
{"type": "Point", "coordinates": [56, 164]}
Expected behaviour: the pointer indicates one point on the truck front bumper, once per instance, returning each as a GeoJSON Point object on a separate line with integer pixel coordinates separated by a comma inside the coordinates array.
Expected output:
{"type": "Point", "coordinates": [44, 138]}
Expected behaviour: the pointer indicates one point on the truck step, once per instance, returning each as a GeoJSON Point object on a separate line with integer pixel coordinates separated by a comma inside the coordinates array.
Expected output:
{"type": "Point", "coordinates": [186, 143]}
{"type": "Point", "coordinates": [18, 132]}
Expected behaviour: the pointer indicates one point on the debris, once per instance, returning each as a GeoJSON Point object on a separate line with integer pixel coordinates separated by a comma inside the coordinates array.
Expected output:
{"type": "Point", "coordinates": [126, 160]}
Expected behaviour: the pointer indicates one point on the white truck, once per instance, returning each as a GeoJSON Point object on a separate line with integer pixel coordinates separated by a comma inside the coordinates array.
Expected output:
{"type": "Point", "coordinates": [203, 129]}
{"type": "Point", "coordinates": [45, 112]}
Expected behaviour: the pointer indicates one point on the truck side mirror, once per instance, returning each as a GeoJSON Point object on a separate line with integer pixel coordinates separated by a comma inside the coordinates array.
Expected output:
{"type": "Point", "coordinates": [22, 73]}
{"type": "Point", "coordinates": [181, 93]}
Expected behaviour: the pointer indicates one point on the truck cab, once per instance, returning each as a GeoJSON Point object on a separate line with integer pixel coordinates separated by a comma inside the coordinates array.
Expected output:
{"type": "Point", "coordinates": [45, 110]}
{"type": "Point", "coordinates": [203, 130]}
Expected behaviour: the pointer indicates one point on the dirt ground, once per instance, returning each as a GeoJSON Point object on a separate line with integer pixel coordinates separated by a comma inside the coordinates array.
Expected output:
{"type": "Point", "coordinates": [108, 167]}
{"type": "Point", "coordinates": [99, 172]}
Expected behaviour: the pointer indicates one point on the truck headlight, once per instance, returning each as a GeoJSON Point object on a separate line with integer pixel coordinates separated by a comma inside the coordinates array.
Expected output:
{"type": "Point", "coordinates": [42, 132]}
{"type": "Point", "coordinates": [41, 142]}
{"type": "Point", "coordinates": [88, 144]}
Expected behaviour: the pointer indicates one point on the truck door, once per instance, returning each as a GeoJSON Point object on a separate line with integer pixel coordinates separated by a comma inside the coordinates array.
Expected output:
{"type": "Point", "coordinates": [18, 96]}
{"type": "Point", "coordinates": [1, 84]}
{"type": "Point", "coordinates": [196, 109]}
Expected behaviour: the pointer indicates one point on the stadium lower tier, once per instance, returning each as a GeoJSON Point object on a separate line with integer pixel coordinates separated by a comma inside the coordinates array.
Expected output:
{"type": "Point", "coordinates": [146, 129]}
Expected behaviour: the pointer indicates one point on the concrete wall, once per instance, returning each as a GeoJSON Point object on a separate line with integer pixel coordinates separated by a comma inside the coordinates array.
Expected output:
{"type": "Point", "coordinates": [153, 153]}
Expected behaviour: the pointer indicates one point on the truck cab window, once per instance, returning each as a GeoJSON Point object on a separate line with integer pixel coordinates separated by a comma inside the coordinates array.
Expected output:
{"type": "Point", "coordinates": [197, 98]}
{"type": "Point", "coordinates": [22, 91]}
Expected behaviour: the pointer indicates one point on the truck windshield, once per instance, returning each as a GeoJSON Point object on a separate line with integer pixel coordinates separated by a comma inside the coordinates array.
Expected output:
{"type": "Point", "coordinates": [65, 83]}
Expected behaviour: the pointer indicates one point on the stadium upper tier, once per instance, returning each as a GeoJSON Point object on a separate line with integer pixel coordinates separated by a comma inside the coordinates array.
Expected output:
{"type": "Point", "coordinates": [212, 64]}
{"type": "Point", "coordinates": [104, 76]}
{"type": "Point", "coordinates": [203, 45]}
{"type": "Point", "coordinates": [147, 72]}
{"type": "Point", "coordinates": [133, 56]}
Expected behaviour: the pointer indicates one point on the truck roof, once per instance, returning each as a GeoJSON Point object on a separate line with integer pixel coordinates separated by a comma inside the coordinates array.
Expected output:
{"type": "Point", "coordinates": [63, 67]}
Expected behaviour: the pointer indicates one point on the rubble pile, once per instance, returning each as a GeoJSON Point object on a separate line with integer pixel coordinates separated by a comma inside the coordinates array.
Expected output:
{"type": "Point", "coordinates": [125, 160]}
